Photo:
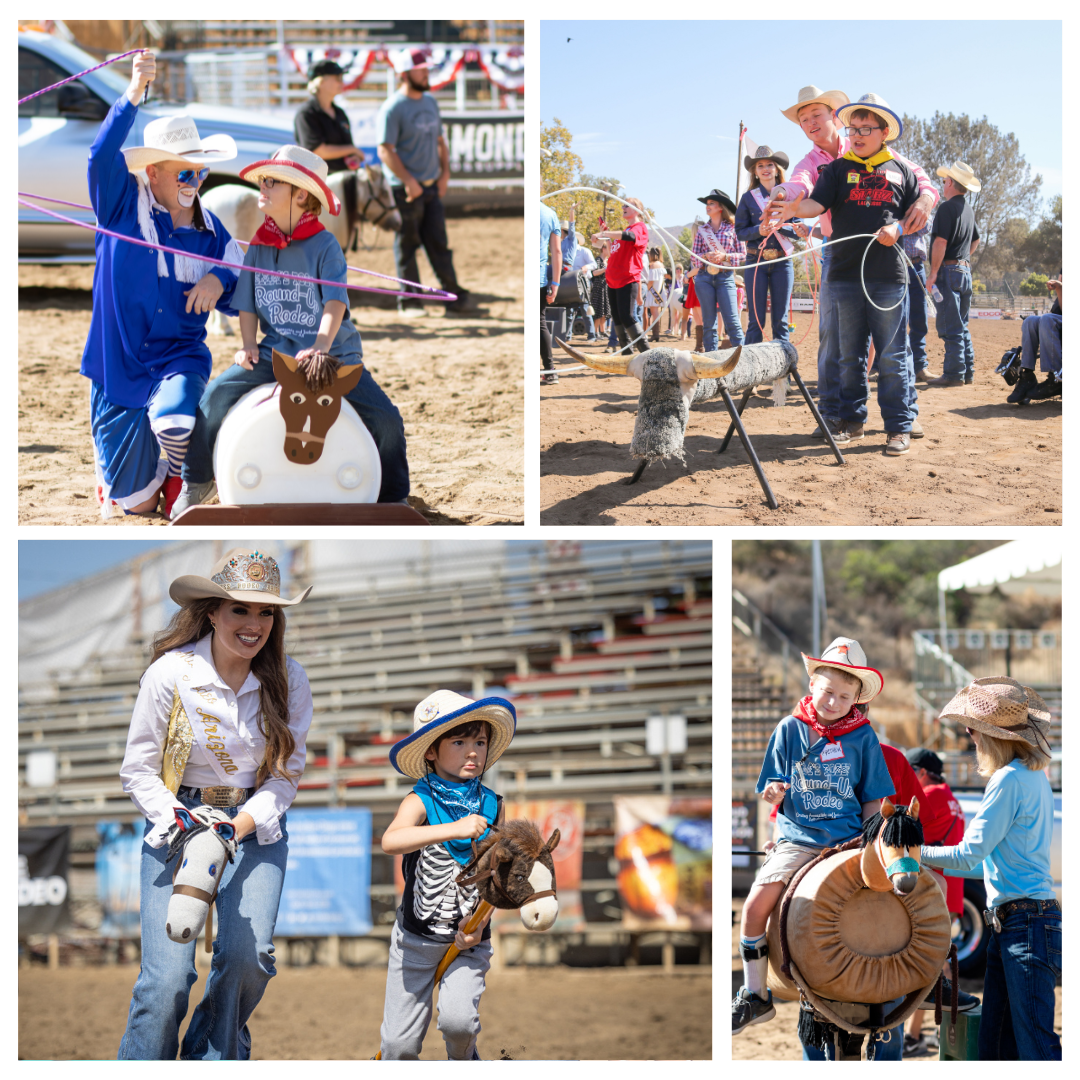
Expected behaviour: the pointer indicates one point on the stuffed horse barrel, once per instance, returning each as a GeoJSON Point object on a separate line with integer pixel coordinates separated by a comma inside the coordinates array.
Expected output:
{"type": "Point", "coordinates": [865, 924]}
{"type": "Point", "coordinates": [287, 443]}
{"type": "Point", "coordinates": [203, 844]}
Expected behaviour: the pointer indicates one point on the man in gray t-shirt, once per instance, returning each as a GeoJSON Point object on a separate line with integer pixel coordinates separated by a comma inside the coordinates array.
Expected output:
{"type": "Point", "coordinates": [413, 149]}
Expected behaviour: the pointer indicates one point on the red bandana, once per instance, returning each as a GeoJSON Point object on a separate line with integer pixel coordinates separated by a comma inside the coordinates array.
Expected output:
{"type": "Point", "coordinates": [270, 235]}
{"type": "Point", "coordinates": [806, 712]}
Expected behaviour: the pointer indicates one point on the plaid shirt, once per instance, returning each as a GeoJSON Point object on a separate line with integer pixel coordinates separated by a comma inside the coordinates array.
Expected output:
{"type": "Point", "coordinates": [724, 238]}
{"type": "Point", "coordinates": [917, 245]}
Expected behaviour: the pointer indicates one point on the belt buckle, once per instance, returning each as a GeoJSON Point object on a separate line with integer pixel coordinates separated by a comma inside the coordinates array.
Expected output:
{"type": "Point", "coordinates": [223, 796]}
{"type": "Point", "coordinates": [990, 916]}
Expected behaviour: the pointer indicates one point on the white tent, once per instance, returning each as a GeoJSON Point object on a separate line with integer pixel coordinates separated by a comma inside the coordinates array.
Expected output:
{"type": "Point", "coordinates": [1014, 568]}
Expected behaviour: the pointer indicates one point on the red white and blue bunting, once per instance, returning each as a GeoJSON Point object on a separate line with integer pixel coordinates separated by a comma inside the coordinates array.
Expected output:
{"type": "Point", "coordinates": [505, 66]}
{"type": "Point", "coordinates": [356, 62]}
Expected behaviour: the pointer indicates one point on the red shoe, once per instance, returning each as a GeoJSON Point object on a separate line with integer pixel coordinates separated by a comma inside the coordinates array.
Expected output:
{"type": "Point", "coordinates": [100, 490]}
{"type": "Point", "coordinates": [171, 491]}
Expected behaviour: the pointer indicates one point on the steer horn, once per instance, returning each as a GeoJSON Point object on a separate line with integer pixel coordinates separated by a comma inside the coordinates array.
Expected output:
{"type": "Point", "coordinates": [717, 369]}
{"type": "Point", "coordinates": [613, 365]}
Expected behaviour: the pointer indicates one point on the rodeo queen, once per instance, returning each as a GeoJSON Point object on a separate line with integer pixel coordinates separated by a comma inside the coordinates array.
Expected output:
{"type": "Point", "coordinates": [298, 318]}
{"type": "Point", "coordinates": [217, 739]}
{"type": "Point", "coordinates": [454, 740]}
{"type": "Point", "coordinates": [146, 354]}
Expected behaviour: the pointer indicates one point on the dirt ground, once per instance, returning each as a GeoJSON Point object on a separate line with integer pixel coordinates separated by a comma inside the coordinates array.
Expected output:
{"type": "Point", "coordinates": [982, 461]}
{"type": "Point", "coordinates": [777, 1039]}
{"type": "Point", "coordinates": [334, 1013]}
{"type": "Point", "coordinates": [456, 381]}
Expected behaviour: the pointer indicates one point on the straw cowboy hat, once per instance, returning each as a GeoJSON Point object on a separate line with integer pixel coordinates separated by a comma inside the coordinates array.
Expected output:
{"type": "Point", "coordinates": [252, 577]}
{"type": "Point", "coordinates": [716, 195]}
{"type": "Point", "coordinates": [847, 654]}
{"type": "Point", "coordinates": [780, 159]}
{"type": "Point", "coordinates": [176, 138]}
{"type": "Point", "coordinates": [1002, 707]}
{"type": "Point", "coordinates": [811, 95]}
{"type": "Point", "coordinates": [962, 174]}
{"type": "Point", "coordinates": [878, 105]}
{"type": "Point", "coordinates": [298, 166]}
{"type": "Point", "coordinates": [443, 711]}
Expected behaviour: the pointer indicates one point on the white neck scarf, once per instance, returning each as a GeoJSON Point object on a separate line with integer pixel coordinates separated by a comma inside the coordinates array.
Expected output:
{"type": "Point", "coordinates": [188, 270]}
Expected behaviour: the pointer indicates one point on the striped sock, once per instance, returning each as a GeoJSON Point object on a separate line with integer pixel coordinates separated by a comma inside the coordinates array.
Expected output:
{"type": "Point", "coordinates": [173, 434]}
{"type": "Point", "coordinates": [756, 971]}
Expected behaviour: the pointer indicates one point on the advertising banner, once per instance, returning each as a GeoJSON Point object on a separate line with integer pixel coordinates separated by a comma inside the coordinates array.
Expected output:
{"type": "Point", "coordinates": [117, 865]}
{"type": "Point", "coordinates": [43, 879]}
{"type": "Point", "coordinates": [743, 830]}
{"type": "Point", "coordinates": [327, 886]}
{"type": "Point", "coordinates": [985, 313]}
{"type": "Point", "coordinates": [664, 847]}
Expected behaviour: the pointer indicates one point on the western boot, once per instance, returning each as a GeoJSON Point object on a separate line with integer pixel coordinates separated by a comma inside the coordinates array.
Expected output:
{"type": "Point", "coordinates": [637, 336]}
{"type": "Point", "coordinates": [1023, 388]}
{"type": "Point", "coordinates": [699, 339]}
{"type": "Point", "coordinates": [1050, 387]}
{"type": "Point", "coordinates": [655, 336]}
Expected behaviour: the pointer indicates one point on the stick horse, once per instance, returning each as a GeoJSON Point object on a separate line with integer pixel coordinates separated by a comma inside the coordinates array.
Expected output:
{"type": "Point", "coordinates": [858, 927]}
{"type": "Point", "coordinates": [512, 869]}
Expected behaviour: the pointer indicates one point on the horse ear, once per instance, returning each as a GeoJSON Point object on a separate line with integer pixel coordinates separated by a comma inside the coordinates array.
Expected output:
{"type": "Point", "coordinates": [553, 841]}
{"type": "Point", "coordinates": [225, 828]}
{"type": "Point", "coordinates": [183, 819]}
{"type": "Point", "coordinates": [289, 361]}
{"type": "Point", "coordinates": [887, 808]}
{"type": "Point", "coordinates": [913, 810]}
{"type": "Point", "coordinates": [347, 378]}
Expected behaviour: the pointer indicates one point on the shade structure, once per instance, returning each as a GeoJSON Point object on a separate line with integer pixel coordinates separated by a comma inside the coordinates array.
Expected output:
{"type": "Point", "coordinates": [1014, 568]}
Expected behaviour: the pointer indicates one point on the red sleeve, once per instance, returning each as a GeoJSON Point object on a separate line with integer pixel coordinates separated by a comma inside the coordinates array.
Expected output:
{"type": "Point", "coordinates": [642, 240]}
{"type": "Point", "coordinates": [906, 787]}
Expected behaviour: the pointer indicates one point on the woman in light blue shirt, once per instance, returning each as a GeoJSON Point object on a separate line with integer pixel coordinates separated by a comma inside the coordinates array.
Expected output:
{"type": "Point", "coordinates": [1008, 845]}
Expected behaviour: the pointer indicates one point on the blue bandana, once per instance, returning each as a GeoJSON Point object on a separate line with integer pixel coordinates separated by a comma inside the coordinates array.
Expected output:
{"type": "Point", "coordinates": [446, 802]}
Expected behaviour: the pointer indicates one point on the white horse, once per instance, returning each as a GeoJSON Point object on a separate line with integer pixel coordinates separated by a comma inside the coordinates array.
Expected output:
{"type": "Point", "coordinates": [237, 207]}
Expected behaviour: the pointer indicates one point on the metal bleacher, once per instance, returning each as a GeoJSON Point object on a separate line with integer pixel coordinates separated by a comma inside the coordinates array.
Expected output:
{"type": "Point", "coordinates": [589, 646]}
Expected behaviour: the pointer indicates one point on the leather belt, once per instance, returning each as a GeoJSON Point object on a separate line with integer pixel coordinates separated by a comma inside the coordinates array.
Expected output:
{"type": "Point", "coordinates": [427, 183]}
{"type": "Point", "coordinates": [217, 796]}
{"type": "Point", "coordinates": [955, 262]}
{"type": "Point", "coordinates": [993, 916]}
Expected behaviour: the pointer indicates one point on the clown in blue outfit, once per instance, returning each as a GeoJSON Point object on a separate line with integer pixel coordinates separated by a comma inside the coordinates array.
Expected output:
{"type": "Point", "coordinates": [146, 354]}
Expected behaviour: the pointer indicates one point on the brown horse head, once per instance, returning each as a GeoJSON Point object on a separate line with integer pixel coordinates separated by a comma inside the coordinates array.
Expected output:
{"type": "Point", "coordinates": [891, 853]}
{"type": "Point", "coordinates": [309, 413]}
{"type": "Point", "coordinates": [512, 868]}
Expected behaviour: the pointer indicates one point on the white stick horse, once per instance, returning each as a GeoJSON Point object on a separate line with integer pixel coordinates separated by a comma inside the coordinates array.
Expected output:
{"type": "Point", "coordinates": [203, 844]}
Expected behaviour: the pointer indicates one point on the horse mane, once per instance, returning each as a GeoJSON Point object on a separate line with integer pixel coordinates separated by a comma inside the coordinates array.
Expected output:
{"type": "Point", "coordinates": [901, 831]}
{"type": "Point", "coordinates": [519, 833]}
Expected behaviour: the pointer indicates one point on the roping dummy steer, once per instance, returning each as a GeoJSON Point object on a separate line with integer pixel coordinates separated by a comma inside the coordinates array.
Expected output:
{"type": "Point", "coordinates": [672, 381]}
{"type": "Point", "coordinates": [203, 844]}
{"type": "Point", "coordinates": [857, 928]}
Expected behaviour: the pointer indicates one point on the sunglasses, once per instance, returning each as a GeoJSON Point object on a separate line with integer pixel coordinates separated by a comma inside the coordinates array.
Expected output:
{"type": "Point", "coordinates": [863, 131]}
{"type": "Point", "coordinates": [192, 176]}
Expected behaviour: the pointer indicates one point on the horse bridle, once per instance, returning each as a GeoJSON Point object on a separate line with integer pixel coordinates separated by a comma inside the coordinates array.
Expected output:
{"type": "Point", "coordinates": [362, 213]}
{"type": "Point", "coordinates": [490, 873]}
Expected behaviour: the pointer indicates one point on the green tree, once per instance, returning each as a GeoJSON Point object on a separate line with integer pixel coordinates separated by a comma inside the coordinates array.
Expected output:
{"type": "Point", "coordinates": [977, 286]}
{"type": "Point", "coordinates": [1034, 285]}
{"type": "Point", "coordinates": [1042, 247]}
{"type": "Point", "coordinates": [1005, 254]}
{"type": "Point", "coordinates": [1008, 188]}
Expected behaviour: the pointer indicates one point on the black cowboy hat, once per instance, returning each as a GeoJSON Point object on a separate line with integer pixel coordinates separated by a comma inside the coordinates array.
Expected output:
{"type": "Point", "coordinates": [764, 153]}
{"type": "Point", "coordinates": [716, 195]}
{"type": "Point", "coordinates": [324, 67]}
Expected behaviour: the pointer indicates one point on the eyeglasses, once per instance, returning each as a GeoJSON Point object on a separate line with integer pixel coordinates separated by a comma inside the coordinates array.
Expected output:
{"type": "Point", "coordinates": [189, 176]}
{"type": "Point", "coordinates": [269, 181]}
{"type": "Point", "coordinates": [863, 131]}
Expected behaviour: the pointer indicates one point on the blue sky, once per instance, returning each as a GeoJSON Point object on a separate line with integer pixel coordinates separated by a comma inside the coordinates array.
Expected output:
{"type": "Point", "coordinates": [48, 564]}
{"type": "Point", "coordinates": [631, 91]}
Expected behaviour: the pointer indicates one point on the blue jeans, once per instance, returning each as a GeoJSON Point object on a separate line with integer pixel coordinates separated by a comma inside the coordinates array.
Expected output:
{"type": "Point", "coordinates": [1041, 337]}
{"type": "Point", "coordinates": [773, 280]}
{"type": "Point", "coordinates": [857, 320]}
{"type": "Point", "coordinates": [889, 1045]}
{"type": "Point", "coordinates": [243, 961]}
{"type": "Point", "coordinates": [377, 411]}
{"type": "Point", "coordinates": [954, 282]}
{"type": "Point", "coordinates": [1023, 963]}
{"type": "Point", "coordinates": [716, 293]}
{"type": "Point", "coordinates": [917, 315]}
{"type": "Point", "coordinates": [828, 353]}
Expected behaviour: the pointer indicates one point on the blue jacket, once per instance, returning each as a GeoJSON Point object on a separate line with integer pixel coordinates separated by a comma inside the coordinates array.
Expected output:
{"type": "Point", "coordinates": [139, 331]}
{"type": "Point", "coordinates": [748, 220]}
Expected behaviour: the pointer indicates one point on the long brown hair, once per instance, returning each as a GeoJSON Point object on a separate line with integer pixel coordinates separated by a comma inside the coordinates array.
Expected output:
{"type": "Point", "coordinates": [756, 180]}
{"type": "Point", "coordinates": [191, 623]}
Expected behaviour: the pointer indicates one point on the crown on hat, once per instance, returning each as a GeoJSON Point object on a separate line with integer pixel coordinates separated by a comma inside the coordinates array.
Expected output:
{"type": "Point", "coordinates": [254, 572]}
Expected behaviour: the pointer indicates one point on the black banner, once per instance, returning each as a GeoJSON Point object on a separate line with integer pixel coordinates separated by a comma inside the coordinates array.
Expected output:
{"type": "Point", "coordinates": [43, 879]}
{"type": "Point", "coordinates": [485, 146]}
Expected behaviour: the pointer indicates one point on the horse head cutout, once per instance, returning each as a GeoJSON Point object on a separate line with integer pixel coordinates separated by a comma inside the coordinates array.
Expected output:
{"type": "Point", "coordinates": [309, 410]}
{"type": "Point", "coordinates": [512, 868]}
{"type": "Point", "coordinates": [204, 844]}
{"type": "Point", "coordinates": [891, 843]}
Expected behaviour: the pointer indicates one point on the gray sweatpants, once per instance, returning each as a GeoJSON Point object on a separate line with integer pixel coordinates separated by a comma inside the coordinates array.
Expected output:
{"type": "Point", "coordinates": [410, 986]}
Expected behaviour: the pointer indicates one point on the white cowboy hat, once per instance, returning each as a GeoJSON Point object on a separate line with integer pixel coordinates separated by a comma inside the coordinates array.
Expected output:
{"type": "Point", "coordinates": [298, 166]}
{"type": "Point", "coordinates": [811, 95]}
{"type": "Point", "coordinates": [1002, 707]}
{"type": "Point", "coordinates": [847, 654]}
{"type": "Point", "coordinates": [962, 174]}
{"type": "Point", "coordinates": [176, 138]}
{"type": "Point", "coordinates": [441, 712]}
{"type": "Point", "coordinates": [893, 127]}
{"type": "Point", "coordinates": [409, 59]}
{"type": "Point", "coordinates": [252, 577]}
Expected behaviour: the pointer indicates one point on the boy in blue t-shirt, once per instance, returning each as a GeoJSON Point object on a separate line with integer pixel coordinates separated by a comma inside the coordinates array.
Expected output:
{"type": "Point", "coordinates": [825, 769]}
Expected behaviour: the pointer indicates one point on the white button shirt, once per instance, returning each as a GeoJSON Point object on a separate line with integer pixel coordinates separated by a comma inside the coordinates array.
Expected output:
{"type": "Point", "coordinates": [141, 770]}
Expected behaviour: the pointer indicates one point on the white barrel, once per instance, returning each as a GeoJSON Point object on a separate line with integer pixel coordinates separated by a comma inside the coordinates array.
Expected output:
{"type": "Point", "coordinates": [251, 467]}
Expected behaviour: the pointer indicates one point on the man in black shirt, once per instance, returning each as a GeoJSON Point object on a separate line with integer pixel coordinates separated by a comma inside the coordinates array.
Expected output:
{"type": "Point", "coordinates": [322, 126]}
{"type": "Point", "coordinates": [953, 239]}
{"type": "Point", "coordinates": [869, 190]}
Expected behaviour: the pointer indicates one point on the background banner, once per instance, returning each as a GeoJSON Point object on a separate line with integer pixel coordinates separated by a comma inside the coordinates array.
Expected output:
{"type": "Point", "coordinates": [117, 865]}
{"type": "Point", "coordinates": [43, 879]}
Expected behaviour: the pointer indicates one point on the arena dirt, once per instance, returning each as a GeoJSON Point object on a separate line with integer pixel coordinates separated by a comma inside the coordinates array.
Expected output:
{"type": "Point", "coordinates": [777, 1040]}
{"type": "Point", "coordinates": [334, 1013]}
{"type": "Point", "coordinates": [982, 462]}
{"type": "Point", "coordinates": [457, 383]}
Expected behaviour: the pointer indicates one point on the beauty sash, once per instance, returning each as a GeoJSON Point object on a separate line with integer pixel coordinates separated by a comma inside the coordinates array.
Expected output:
{"type": "Point", "coordinates": [762, 202]}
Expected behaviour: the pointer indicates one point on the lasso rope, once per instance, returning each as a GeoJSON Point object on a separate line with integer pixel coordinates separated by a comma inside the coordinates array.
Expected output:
{"type": "Point", "coordinates": [435, 294]}
{"type": "Point", "coordinates": [64, 82]}
{"type": "Point", "coordinates": [648, 219]}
